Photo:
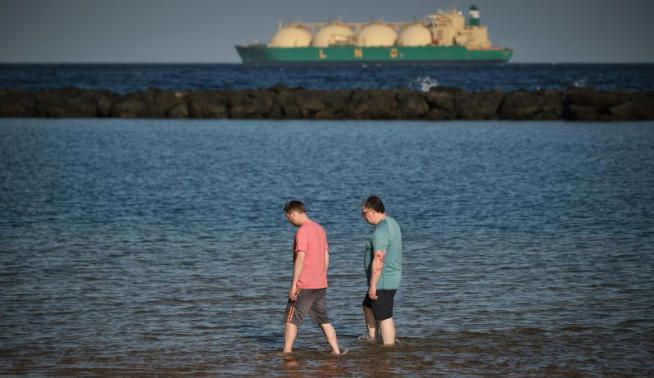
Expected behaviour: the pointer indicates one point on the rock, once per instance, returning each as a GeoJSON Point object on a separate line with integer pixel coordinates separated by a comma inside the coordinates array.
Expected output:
{"type": "Point", "coordinates": [265, 100]}
{"type": "Point", "coordinates": [66, 103]}
{"type": "Point", "coordinates": [358, 106]}
{"type": "Point", "coordinates": [131, 105]}
{"type": "Point", "coordinates": [521, 105]}
{"type": "Point", "coordinates": [382, 104]}
{"type": "Point", "coordinates": [288, 104]}
{"type": "Point", "coordinates": [104, 102]}
{"type": "Point", "coordinates": [203, 104]}
{"type": "Point", "coordinates": [275, 109]}
{"type": "Point", "coordinates": [16, 103]}
{"type": "Point", "coordinates": [540, 105]}
{"type": "Point", "coordinates": [643, 103]}
{"type": "Point", "coordinates": [437, 114]}
{"type": "Point", "coordinates": [478, 105]}
{"type": "Point", "coordinates": [623, 112]}
{"type": "Point", "coordinates": [638, 106]}
{"type": "Point", "coordinates": [411, 105]}
{"type": "Point", "coordinates": [580, 113]}
{"type": "Point", "coordinates": [249, 104]}
{"type": "Point", "coordinates": [552, 105]}
{"type": "Point", "coordinates": [443, 98]}
{"type": "Point", "coordinates": [179, 111]}
{"type": "Point", "coordinates": [602, 101]}
{"type": "Point", "coordinates": [159, 103]}
{"type": "Point", "coordinates": [309, 103]}
{"type": "Point", "coordinates": [336, 102]}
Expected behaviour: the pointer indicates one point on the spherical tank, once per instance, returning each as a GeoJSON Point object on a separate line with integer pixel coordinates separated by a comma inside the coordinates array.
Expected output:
{"type": "Point", "coordinates": [376, 35]}
{"type": "Point", "coordinates": [332, 34]}
{"type": "Point", "coordinates": [414, 35]}
{"type": "Point", "coordinates": [291, 36]}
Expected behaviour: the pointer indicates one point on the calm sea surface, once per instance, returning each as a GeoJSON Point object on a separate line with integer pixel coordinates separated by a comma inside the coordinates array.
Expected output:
{"type": "Point", "coordinates": [132, 247]}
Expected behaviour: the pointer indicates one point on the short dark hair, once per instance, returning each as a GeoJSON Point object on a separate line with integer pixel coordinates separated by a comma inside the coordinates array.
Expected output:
{"type": "Point", "coordinates": [374, 203]}
{"type": "Point", "coordinates": [294, 205]}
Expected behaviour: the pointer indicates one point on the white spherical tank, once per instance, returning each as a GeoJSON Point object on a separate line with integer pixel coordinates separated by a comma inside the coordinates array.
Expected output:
{"type": "Point", "coordinates": [414, 35]}
{"type": "Point", "coordinates": [291, 36]}
{"type": "Point", "coordinates": [376, 35]}
{"type": "Point", "coordinates": [332, 34]}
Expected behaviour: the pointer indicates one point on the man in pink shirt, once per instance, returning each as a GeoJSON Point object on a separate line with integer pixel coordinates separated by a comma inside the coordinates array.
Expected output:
{"type": "Point", "coordinates": [309, 284]}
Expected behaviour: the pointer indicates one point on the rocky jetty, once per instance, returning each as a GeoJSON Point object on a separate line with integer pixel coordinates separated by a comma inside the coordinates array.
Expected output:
{"type": "Point", "coordinates": [281, 102]}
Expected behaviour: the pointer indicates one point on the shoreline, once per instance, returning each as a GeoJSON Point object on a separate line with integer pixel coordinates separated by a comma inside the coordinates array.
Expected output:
{"type": "Point", "coordinates": [281, 102]}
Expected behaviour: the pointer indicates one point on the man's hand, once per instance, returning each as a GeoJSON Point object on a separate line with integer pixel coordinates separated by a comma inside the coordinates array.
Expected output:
{"type": "Point", "coordinates": [372, 293]}
{"type": "Point", "coordinates": [292, 293]}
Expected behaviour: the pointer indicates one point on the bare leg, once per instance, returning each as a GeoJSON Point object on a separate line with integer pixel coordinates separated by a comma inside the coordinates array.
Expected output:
{"type": "Point", "coordinates": [388, 331]}
{"type": "Point", "coordinates": [330, 335]}
{"type": "Point", "coordinates": [371, 323]}
{"type": "Point", "coordinates": [290, 332]}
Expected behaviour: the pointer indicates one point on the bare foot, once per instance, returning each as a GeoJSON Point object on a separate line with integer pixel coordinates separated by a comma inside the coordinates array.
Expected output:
{"type": "Point", "coordinates": [342, 352]}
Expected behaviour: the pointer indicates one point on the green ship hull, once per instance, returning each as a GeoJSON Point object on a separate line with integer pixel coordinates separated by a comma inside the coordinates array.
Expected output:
{"type": "Point", "coordinates": [350, 54]}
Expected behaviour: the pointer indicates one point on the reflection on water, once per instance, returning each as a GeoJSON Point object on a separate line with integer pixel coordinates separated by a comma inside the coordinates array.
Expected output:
{"type": "Point", "coordinates": [140, 247]}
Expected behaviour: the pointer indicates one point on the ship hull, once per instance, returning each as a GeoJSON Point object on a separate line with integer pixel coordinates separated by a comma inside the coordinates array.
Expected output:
{"type": "Point", "coordinates": [352, 54]}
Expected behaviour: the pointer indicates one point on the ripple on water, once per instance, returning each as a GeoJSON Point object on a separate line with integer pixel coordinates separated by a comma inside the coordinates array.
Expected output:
{"type": "Point", "coordinates": [138, 247]}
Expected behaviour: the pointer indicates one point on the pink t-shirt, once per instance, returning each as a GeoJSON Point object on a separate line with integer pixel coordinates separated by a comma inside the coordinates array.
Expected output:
{"type": "Point", "coordinates": [312, 239]}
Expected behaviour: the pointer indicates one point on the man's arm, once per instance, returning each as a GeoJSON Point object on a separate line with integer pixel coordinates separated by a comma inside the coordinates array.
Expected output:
{"type": "Point", "coordinates": [377, 269]}
{"type": "Point", "coordinates": [326, 259]}
{"type": "Point", "coordinates": [297, 269]}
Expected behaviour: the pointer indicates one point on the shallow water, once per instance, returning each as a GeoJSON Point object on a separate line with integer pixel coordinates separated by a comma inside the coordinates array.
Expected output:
{"type": "Point", "coordinates": [133, 247]}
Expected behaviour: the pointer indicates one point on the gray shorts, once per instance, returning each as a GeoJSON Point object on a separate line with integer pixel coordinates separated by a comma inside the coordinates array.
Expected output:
{"type": "Point", "coordinates": [311, 302]}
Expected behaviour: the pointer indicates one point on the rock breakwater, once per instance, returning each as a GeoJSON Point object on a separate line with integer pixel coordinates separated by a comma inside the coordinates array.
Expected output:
{"type": "Point", "coordinates": [281, 102]}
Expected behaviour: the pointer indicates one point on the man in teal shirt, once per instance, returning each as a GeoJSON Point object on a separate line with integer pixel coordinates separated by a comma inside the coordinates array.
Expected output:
{"type": "Point", "coordinates": [383, 265]}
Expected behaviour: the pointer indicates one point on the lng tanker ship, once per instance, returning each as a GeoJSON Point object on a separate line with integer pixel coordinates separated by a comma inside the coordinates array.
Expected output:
{"type": "Point", "coordinates": [444, 36]}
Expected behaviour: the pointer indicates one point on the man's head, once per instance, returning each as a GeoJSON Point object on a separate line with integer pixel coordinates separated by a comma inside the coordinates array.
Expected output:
{"type": "Point", "coordinates": [373, 210]}
{"type": "Point", "coordinates": [295, 213]}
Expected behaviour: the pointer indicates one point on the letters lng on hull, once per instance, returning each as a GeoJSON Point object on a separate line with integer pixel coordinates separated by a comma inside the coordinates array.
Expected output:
{"type": "Point", "coordinates": [444, 36]}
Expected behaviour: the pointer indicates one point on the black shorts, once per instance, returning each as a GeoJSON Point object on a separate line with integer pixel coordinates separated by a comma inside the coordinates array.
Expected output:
{"type": "Point", "coordinates": [311, 302]}
{"type": "Point", "coordinates": [383, 306]}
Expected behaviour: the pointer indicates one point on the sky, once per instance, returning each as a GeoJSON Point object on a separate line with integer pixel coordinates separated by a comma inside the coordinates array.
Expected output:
{"type": "Point", "coordinates": [205, 31]}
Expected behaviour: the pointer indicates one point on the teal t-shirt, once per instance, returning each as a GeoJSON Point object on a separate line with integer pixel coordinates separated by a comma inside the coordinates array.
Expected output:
{"type": "Point", "coordinates": [386, 237]}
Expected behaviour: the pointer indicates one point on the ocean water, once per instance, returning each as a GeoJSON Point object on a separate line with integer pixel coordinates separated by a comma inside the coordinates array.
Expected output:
{"type": "Point", "coordinates": [159, 247]}
{"type": "Point", "coordinates": [124, 78]}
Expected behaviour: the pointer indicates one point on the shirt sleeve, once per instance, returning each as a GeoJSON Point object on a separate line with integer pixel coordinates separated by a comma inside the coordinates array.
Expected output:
{"type": "Point", "coordinates": [380, 240]}
{"type": "Point", "coordinates": [301, 241]}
